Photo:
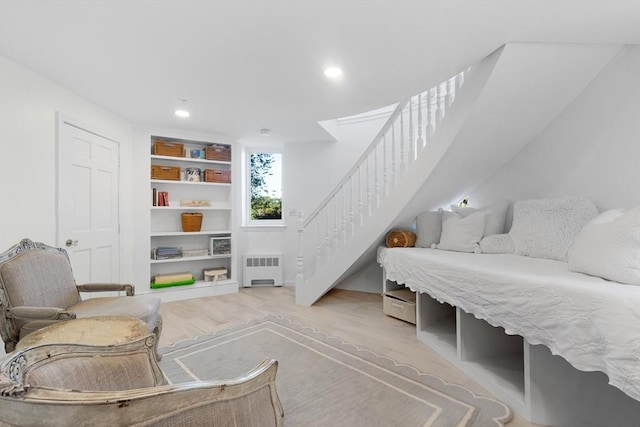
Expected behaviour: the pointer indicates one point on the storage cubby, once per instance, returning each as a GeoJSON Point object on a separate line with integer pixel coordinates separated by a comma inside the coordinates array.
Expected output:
{"type": "Point", "coordinates": [494, 357]}
{"type": "Point", "coordinates": [543, 388]}
{"type": "Point", "coordinates": [436, 325]}
{"type": "Point", "coordinates": [538, 385]}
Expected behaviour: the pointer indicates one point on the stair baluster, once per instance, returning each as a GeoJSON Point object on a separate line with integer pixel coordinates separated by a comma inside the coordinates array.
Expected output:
{"type": "Point", "coordinates": [412, 143]}
{"type": "Point", "coordinates": [403, 157]}
{"type": "Point", "coordinates": [336, 230]}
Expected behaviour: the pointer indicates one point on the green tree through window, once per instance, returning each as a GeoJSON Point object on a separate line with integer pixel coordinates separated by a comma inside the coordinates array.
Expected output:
{"type": "Point", "coordinates": [266, 197]}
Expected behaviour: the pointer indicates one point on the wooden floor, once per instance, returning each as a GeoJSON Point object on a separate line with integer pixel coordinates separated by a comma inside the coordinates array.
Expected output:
{"type": "Point", "coordinates": [356, 317]}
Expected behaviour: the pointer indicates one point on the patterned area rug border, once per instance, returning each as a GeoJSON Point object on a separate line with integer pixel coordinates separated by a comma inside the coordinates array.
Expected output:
{"type": "Point", "coordinates": [484, 411]}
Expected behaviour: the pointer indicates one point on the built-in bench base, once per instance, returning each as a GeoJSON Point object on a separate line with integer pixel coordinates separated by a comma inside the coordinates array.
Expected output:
{"type": "Point", "coordinates": [543, 388]}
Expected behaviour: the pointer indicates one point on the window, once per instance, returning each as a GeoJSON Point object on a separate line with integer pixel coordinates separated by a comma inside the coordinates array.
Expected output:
{"type": "Point", "coordinates": [264, 192]}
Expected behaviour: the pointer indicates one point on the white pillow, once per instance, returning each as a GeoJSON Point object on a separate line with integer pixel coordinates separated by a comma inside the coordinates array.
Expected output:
{"type": "Point", "coordinates": [609, 247]}
{"type": "Point", "coordinates": [428, 228]}
{"type": "Point", "coordinates": [496, 216]}
{"type": "Point", "coordinates": [462, 234]}
{"type": "Point", "coordinates": [546, 228]}
{"type": "Point", "coordinates": [497, 244]}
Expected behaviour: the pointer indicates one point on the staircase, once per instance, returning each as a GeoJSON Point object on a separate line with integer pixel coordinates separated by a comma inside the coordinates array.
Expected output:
{"type": "Point", "coordinates": [439, 142]}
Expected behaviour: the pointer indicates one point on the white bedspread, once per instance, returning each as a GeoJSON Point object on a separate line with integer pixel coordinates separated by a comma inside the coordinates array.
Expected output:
{"type": "Point", "coordinates": [593, 323]}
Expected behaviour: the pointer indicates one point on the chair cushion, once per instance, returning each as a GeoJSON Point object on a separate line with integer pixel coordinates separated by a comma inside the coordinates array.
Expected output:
{"type": "Point", "coordinates": [144, 307]}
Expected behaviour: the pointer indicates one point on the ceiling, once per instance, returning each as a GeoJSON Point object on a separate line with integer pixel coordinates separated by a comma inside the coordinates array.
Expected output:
{"type": "Point", "coordinates": [247, 65]}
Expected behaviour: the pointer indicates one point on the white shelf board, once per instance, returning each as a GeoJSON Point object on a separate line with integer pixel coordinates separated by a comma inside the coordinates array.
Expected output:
{"type": "Point", "coordinates": [189, 258]}
{"type": "Point", "coordinates": [168, 181]}
{"type": "Point", "coordinates": [188, 233]}
{"type": "Point", "coordinates": [213, 207]}
{"type": "Point", "coordinates": [189, 159]}
{"type": "Point", "coordinates": [199, 289]}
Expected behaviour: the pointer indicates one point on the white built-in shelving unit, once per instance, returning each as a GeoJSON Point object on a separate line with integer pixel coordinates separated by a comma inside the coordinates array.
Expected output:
{"type": "Point", "coordinates": [166, 224]}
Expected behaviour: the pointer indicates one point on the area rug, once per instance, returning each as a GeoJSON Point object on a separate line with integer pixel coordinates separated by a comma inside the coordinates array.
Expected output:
{"type": "Point", "coordinates": [324, 381]}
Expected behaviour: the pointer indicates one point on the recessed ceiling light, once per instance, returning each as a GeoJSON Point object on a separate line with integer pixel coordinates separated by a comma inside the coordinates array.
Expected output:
{"type": "Point", "coordinates": [332, 72]}
{"type": "Point", "coordinates": [182, 111]}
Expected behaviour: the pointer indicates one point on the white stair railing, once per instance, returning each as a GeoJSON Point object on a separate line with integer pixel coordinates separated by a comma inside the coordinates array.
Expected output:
{"type": "Point", "coordinates": [346, 210]}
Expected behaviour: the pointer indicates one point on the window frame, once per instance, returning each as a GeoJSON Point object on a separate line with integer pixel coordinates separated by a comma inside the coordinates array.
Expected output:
{"type": "Point", "coordinates": [246, 197]}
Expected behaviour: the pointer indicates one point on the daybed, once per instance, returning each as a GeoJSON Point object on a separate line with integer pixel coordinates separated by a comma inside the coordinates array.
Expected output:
{"type": "Point", "coordinates": [512, 323]}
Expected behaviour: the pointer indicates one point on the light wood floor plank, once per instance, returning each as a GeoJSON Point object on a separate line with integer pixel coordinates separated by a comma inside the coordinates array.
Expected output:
{"type": "Point", "coordinates": [355, 317]}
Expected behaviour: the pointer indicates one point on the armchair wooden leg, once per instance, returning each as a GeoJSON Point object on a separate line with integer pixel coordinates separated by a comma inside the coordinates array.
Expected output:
{"type": "Point", "coordinates": [156, 331]}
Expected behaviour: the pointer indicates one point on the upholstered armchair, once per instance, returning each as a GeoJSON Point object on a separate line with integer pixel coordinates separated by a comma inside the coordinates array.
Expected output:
{"type": "Point", "coordinates": [37, 288]}
{"type": "Point", "coordinates": [122, 385]}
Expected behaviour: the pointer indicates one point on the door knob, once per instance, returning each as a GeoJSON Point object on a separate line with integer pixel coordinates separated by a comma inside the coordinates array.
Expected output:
{"type": "Point", "coordinates": [70, 243]}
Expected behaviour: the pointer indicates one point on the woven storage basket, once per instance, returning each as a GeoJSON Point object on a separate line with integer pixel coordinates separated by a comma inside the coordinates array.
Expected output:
{"type": "Point", "coordinates": [401, 239]}
{"type": "Point", "coordinates": [171, 173]}
{"type": "Point", "coordinates": [217, 175]}
{"type": "Point", "coordinates": [173, 149]}
{"type": "Point", "coordinates": [218, 152]}
{"type": "Point", "coordinates": [191, 221]}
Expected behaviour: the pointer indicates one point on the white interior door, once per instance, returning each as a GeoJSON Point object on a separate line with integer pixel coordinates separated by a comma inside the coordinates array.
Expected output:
{"type": "Point", "coordinates": [88, 169]}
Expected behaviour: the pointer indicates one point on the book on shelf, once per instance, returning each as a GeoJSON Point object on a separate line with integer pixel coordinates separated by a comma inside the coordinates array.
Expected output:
{"type": "Point", "coordinates": [172, 277]}
{"type": "Point", "coordinates": [167, 252]}
{"type": "Point", "coordinates": [155, 285]}
{"type": "Point", "coordinates": [163, 198]}
{"type": "Point", "coordinates": [159, 198]}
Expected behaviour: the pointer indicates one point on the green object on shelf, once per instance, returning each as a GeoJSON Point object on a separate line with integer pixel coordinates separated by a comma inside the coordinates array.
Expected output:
{"type": "Point", "coordinates": [178, 283]}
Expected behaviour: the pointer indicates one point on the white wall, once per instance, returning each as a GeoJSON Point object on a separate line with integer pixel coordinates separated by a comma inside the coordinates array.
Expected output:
{"type": "Point", "coordinates": [592, 149]}
{"type": "Point", "coordinates": [28, 107]}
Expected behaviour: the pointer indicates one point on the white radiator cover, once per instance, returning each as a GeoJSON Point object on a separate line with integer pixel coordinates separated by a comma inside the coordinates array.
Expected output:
{"type": "Point", "coordinates": [262, 269]}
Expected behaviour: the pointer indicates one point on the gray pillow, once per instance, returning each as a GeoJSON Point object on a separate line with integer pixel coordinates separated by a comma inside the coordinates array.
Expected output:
{"type": "Point", "coordinates": [428, 228]}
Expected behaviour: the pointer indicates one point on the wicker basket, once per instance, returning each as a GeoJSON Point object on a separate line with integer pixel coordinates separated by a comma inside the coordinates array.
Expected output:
{"type": "Point", "coordinates": [218, 152]}
{"type": "Point", "coordinates": [163, 148]}
{"type": "Point", "coordinates": [191, 221]}
{"type": "Point", "coordinates": [171, 173]}
{"type": "Point", "coordinates": [401, 239]}
{"type": "Point", "coordinates": [217, 175]}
